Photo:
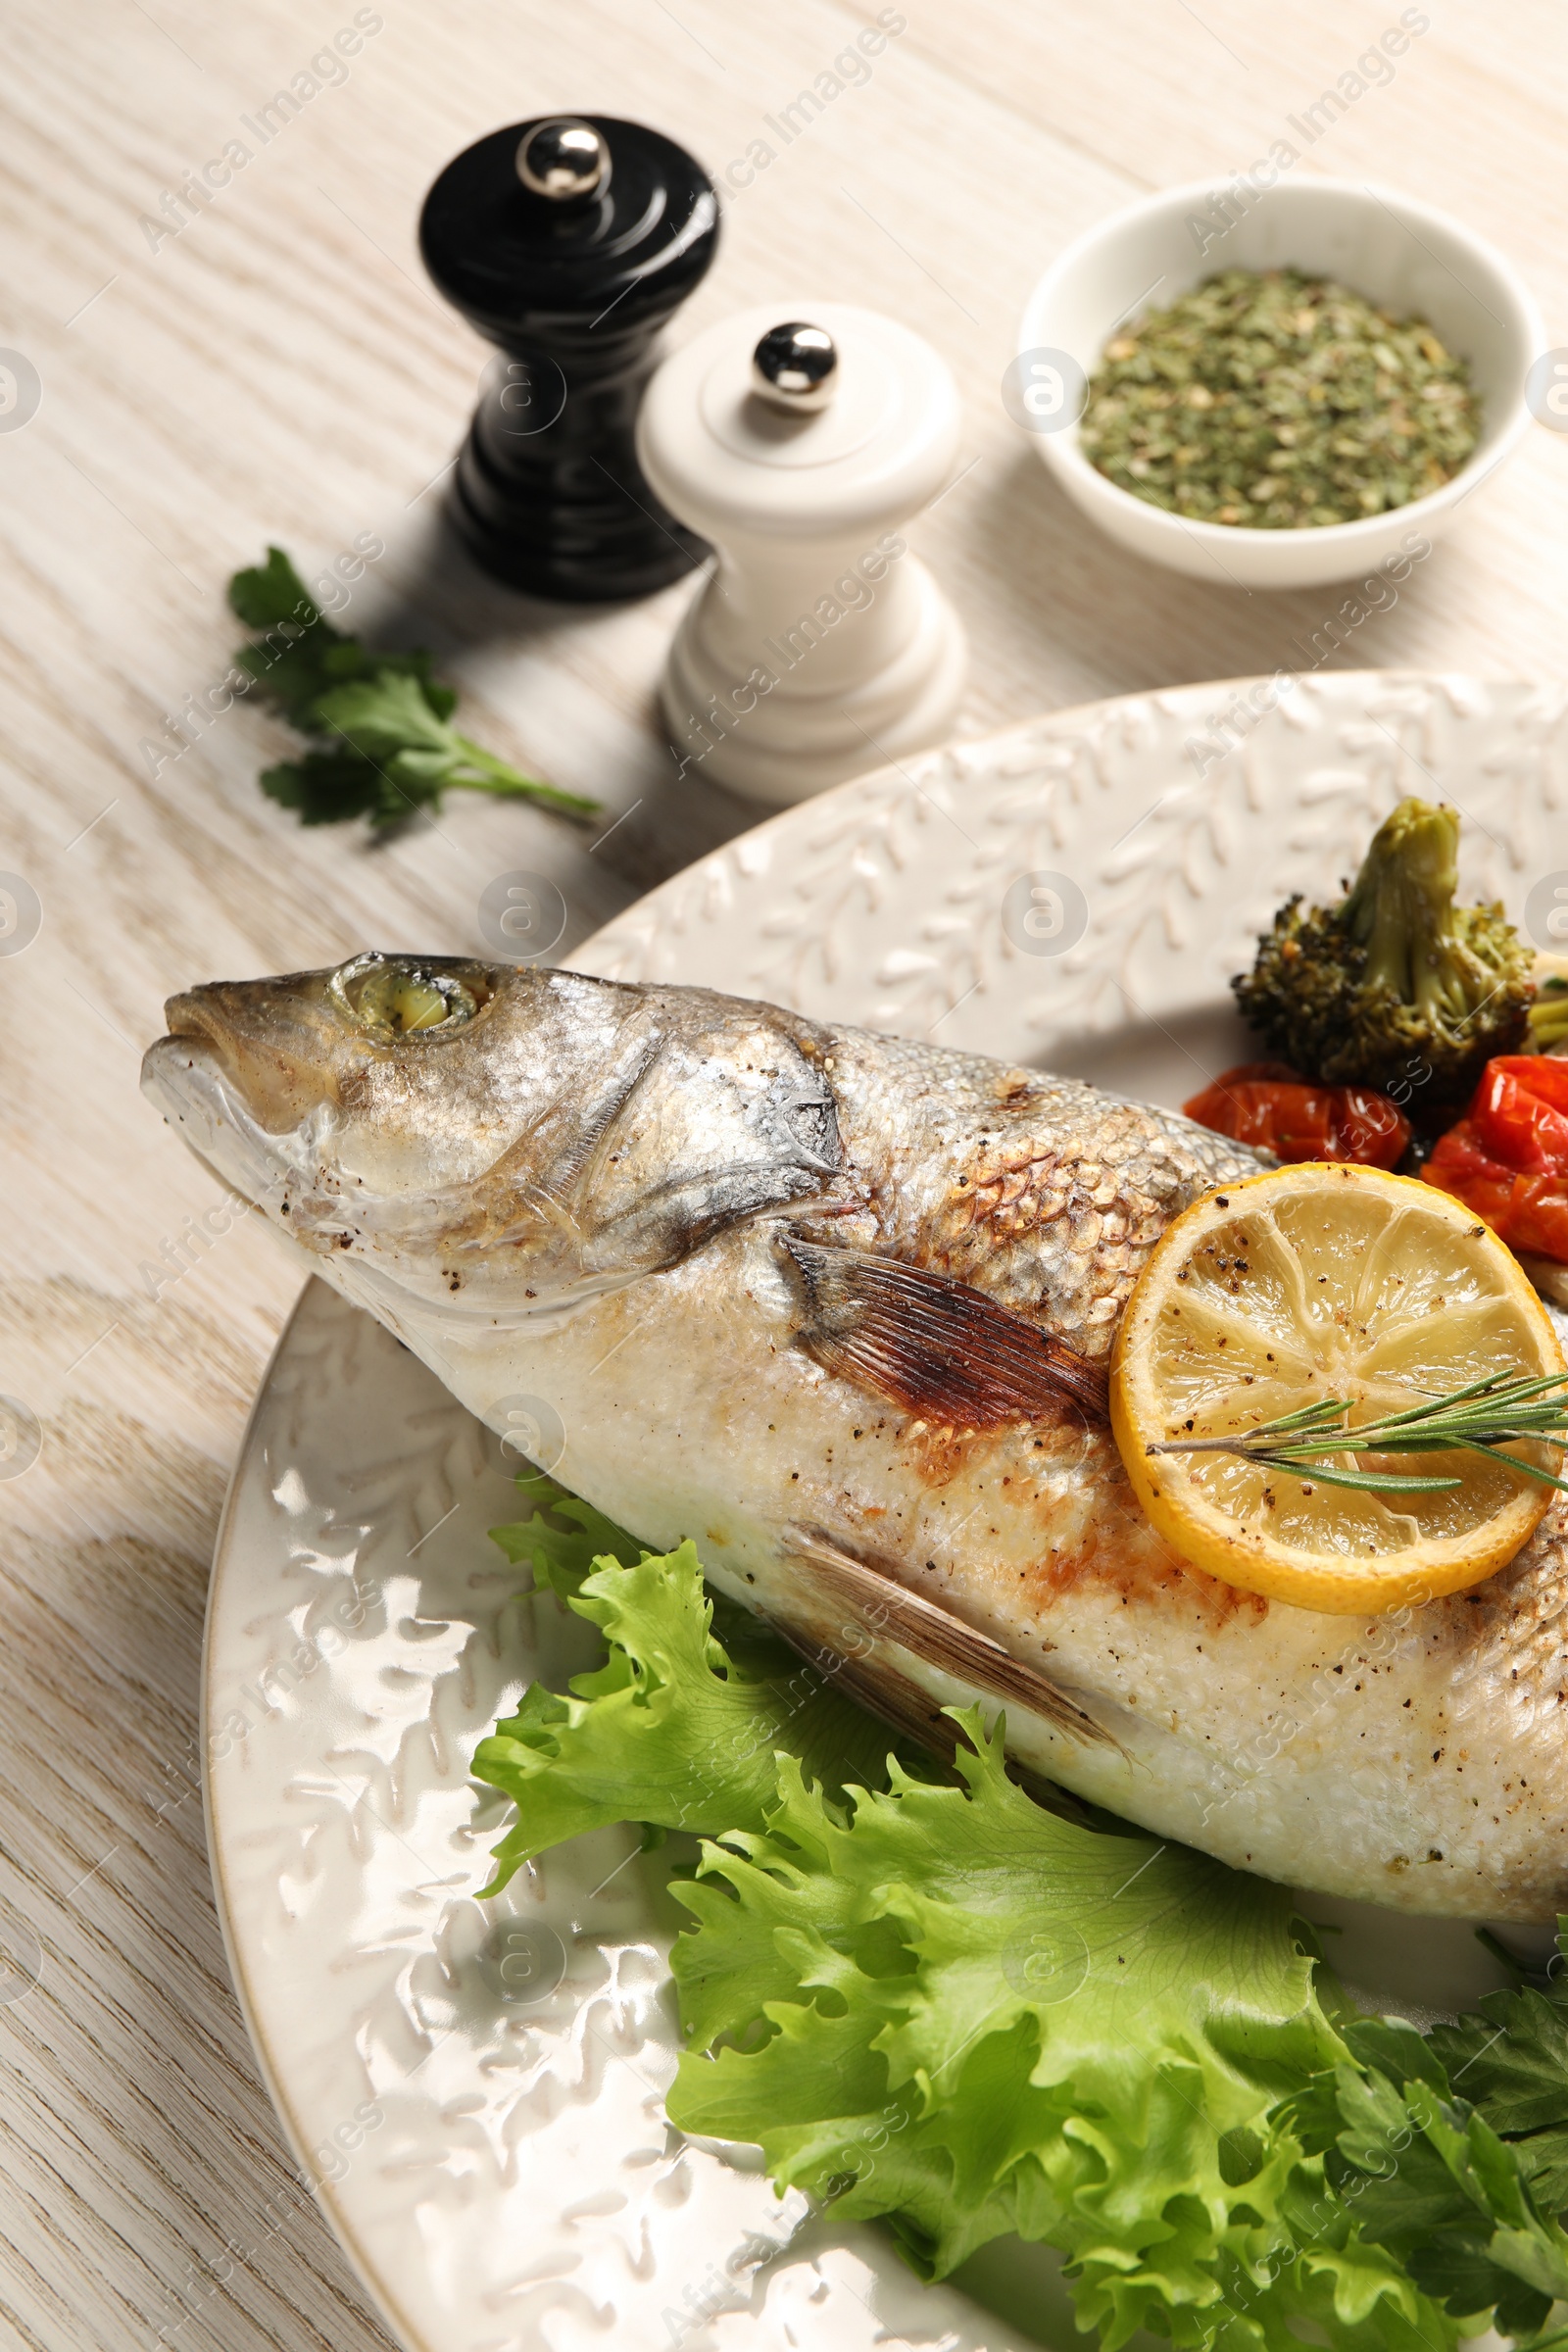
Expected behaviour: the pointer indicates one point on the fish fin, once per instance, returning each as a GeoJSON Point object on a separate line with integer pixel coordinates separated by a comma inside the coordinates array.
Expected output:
{"type": "Point", "coordinates": [940, 1349]}
{"type": "Point", "coordinates": [892, 1698]}
{"type": "Point", "coordinates": [869, 1602]}
{"type": "Point", "coordinates": [922, 1719]}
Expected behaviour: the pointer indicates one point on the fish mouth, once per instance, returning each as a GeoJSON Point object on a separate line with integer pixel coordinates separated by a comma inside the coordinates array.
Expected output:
{"type": "Point", "coordinates": [278, 1046]}
{"type": "Point", "coordinates": [188, 1016]}
{"type": "Point", "coordinates": [222, 1071]}
{"type": "Point", "coordinates": [190, 1024]}
{"type": "Point", "coordinates": [188, 1076]}
{"type": "Point", "coordinates": [193, 1065]}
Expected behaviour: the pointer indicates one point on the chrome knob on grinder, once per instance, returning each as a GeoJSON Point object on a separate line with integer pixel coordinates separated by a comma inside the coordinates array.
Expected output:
{"type": "Point", "coordinates": [565, 160]}
{"type": "Point", "coordinates": [797, 367]}
{"type": "Point", "coordinates": [801, 444]}
{"type": "Point", "coordinates": [568, 241]}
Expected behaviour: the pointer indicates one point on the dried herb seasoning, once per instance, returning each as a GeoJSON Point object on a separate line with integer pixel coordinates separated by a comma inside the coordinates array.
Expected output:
{"type": "Point", "coordinates": [1278, 402]}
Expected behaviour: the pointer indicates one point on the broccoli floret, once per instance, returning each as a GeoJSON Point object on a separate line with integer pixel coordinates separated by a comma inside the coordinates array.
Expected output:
{"type": "Point", "coordinates": [1395, 982]}
{"type": "Point", "coordinates": [1548, 1015]}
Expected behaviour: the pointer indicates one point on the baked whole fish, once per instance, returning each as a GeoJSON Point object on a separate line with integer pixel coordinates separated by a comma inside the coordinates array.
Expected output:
{"type": "Point", "coordinates": [838, 1306]}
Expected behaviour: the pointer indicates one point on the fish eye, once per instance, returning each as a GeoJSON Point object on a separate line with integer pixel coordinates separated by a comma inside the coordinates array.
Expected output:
{"type": "Point", "coordinates": [392, 995]}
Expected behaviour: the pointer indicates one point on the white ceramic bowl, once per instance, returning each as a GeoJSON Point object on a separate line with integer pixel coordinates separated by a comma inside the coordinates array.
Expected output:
{"type": "Point", "coordinates": [1383, 245]}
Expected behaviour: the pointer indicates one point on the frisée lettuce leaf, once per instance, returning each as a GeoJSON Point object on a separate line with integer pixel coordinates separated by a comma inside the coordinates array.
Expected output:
{"type": "Point", "coordinates": [678, 1730]}
{"type": "Point", "coordinates": [959, 2011]}
{"type": "Point", "coordinates": [932, 2001]}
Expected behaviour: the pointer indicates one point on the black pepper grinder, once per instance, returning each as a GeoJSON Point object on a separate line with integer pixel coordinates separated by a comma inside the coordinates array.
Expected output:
{"type": "Point", "coordinates": [568, 241]}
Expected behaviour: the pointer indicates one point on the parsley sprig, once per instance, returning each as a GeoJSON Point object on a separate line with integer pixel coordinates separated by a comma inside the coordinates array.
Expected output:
{"type": "Point", "coordinates": [1490, 1414]}
{"type": "Point", "coordinates": [384, 747]}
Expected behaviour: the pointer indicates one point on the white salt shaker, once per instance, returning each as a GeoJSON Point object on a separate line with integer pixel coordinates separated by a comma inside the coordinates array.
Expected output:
{"type": "Point", "coordinates": [799, 442]}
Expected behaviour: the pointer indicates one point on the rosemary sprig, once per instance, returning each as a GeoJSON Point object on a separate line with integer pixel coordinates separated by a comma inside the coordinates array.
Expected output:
{"type": "Point", "coordinates": [1490, 1414]}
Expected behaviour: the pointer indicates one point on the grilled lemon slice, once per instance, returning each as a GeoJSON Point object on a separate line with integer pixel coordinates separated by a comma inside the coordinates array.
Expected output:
{"type": "Point", "coordinates": [1308, 1283]}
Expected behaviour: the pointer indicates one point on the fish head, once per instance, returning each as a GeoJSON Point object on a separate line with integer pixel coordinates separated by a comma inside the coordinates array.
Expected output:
{"type": "Point", "coordinates": [500, 1140]}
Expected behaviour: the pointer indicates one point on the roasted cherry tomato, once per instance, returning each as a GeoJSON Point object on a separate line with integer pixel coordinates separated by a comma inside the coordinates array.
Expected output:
{"type": "Point", "coordinates": [1507, 1158]}
{"type": "Point", "coordinates": [1272, 1105]}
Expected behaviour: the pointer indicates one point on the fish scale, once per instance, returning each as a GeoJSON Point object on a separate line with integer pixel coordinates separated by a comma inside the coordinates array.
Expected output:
{"type": "Point", "coordinates": [837, 1306]}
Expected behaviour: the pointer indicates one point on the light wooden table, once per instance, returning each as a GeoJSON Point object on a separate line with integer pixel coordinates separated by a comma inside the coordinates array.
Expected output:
{"type": "Point", "coordinates": [278, 369]}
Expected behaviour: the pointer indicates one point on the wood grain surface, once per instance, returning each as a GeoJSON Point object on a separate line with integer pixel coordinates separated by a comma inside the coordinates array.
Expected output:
{"type": "Point", "coordinates": [277, 369]}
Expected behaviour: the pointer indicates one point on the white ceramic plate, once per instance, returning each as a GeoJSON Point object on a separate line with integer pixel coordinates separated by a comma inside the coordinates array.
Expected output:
{"type": "Point", "coordinates": [476, 2091]}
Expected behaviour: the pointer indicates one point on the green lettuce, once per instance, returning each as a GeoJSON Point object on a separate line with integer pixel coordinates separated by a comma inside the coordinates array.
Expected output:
{"type": "Point", "coordinates": [958, 2011]}
{"type": "Point", "coordinates": [931, 2001]}
{"type": "Point", "coordinates": [678, 1730]}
